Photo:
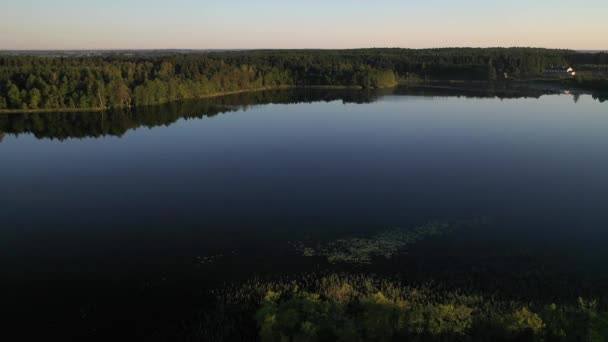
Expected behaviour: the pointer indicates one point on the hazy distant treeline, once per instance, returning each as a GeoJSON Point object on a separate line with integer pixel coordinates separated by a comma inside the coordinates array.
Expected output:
{"type": "Point", "coordinates": [29, 82]}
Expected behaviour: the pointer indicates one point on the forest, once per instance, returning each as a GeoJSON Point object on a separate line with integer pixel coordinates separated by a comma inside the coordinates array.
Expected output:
{"type": "Point", "coordinates": [124, 80]}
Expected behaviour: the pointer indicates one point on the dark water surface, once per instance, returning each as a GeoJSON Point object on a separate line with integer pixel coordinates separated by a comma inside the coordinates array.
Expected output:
{"type": "Point", "coordinates": [102, 212]}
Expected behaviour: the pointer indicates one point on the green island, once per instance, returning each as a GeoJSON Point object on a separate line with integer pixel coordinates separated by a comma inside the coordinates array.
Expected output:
{"type": "Point", "coordinates": [122, 80]}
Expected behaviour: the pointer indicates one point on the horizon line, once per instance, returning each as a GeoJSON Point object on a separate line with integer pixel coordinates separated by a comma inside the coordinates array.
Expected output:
{"type": "Point", "coordinates": [311, 48]}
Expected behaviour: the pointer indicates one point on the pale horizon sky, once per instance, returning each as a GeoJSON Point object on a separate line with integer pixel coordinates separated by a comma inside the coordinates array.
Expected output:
{"type": "Point", "coordinates": [241, 24]}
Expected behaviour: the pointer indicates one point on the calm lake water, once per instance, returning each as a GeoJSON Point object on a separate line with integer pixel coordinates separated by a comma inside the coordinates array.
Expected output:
{"type": "Point", "coordinates": [96, 207]}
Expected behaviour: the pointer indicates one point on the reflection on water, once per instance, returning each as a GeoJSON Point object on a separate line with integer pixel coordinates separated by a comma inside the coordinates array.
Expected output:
{"type": "Point", "coordinates": [117, 123]}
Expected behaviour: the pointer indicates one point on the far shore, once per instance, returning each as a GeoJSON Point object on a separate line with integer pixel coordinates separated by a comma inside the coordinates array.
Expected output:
{"type": "Point", "coordinates": [549, 85]}
{"type": "Point", "coordinates": [205, 96]}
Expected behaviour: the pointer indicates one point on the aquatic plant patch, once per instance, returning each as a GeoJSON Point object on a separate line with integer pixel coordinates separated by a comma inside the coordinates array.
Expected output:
{"type": "Point", "coordinates": [386, 244]}
{"type": "Point", "coordinates": [365, 307]}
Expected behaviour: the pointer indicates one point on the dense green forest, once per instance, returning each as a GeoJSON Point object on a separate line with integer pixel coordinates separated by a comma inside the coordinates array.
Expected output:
{"type": "Point", "coordinates": [124, 80]}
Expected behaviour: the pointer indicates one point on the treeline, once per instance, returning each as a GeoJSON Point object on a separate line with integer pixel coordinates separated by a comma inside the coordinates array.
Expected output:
{"type": "Point", "coordinates": [115, 81]}
{"type": "Point", "coordinates": [597, 58]}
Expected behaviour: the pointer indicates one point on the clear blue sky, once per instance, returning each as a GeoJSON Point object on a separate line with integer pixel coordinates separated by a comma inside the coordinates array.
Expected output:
{"type": "Point", "coordinates": [204, 24]}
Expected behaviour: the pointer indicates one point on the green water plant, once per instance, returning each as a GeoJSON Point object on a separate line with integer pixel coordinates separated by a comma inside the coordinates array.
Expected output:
{"type": "Point", "coordinates": [364, 307]}
{"type": "Point", "coordinates": [385, 244]}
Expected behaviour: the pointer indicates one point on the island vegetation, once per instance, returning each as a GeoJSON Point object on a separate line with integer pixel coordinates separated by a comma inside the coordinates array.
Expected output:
{"type": "Point", "coordinates": [98, 82]}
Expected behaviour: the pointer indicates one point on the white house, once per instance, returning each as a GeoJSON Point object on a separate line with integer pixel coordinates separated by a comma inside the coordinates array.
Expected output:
{"type": "Point", "coordinates": [561, 70]}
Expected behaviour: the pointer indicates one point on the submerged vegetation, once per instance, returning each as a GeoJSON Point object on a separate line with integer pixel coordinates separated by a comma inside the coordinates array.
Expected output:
{"type": "Point", "coordinates": [361, 250]}
{"type": "Point", "coordinates": [29, 83]}
{"type": "Point", "coordinates": [356, 307]}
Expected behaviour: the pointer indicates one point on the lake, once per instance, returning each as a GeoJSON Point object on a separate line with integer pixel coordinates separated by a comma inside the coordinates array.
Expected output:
{"type": "Point", "coordinates": [102, 212]}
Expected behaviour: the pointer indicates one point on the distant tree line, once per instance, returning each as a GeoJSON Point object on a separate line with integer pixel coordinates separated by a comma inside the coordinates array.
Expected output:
{"type": "Point", "coordinates": [115, 81]}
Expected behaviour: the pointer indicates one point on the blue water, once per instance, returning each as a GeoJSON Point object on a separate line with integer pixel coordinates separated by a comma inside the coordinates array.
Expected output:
{"type": "Point", "coordinates": [149, 200]}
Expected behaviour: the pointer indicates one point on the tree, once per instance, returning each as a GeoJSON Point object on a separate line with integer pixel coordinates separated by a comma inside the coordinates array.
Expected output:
{"type": "Point", "coordinates": [14, 96]}
{"type": "Point", "coordinates": [23, 97]}
{"type": "Point", "coordinates": [524, 322]}
{"type": "Point", "coordinates": [120, 94]}
{"type": "Point", "coordinates": [35, 98]}
{"type": "Point", "coordinates": [166, 70]}
{"type": "Point", "coordinates": [450, 320]}
{"type": "Point", "coordinates": [99, 90]}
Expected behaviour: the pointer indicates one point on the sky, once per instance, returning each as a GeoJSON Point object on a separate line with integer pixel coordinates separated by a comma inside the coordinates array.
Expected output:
{"type": "Point", "coordinates": [249, 24]}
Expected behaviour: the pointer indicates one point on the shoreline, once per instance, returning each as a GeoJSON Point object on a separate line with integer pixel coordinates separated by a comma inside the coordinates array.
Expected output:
{"type": "Point", "coordinates": [548, 85]}
{"type": "Point", "coordinates": [206, 96]}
